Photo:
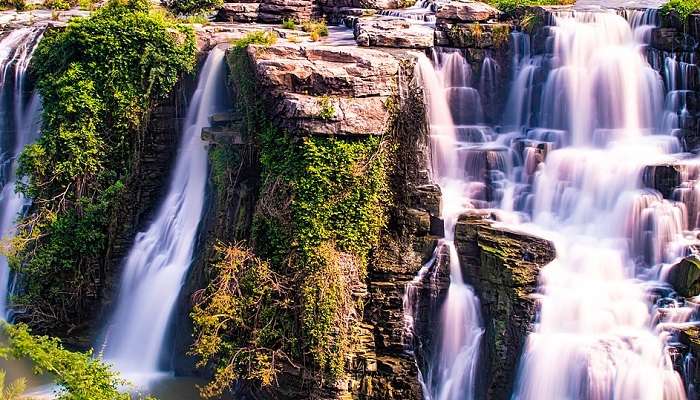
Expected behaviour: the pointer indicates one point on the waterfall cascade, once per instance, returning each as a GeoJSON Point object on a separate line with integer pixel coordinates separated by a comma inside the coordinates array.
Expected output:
{"type": "Point", "coordinates": [19, 126]}
{"type": "Point", "coordinates": [157, 264]}
{"type": "Point", "coordinates": [584, 122]}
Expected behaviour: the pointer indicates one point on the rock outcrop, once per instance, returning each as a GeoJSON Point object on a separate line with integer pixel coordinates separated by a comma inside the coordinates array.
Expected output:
{"type": "Point", "coordinates": [393, 32]}
{"type": "Point", "coordinates": [326, 90]}
{"type": "Point", "coordinates": [459, 11]}
{"type": "Point", "coordinates": [684, 276]}
{"type": "Point", "coordinates": [503, 268]}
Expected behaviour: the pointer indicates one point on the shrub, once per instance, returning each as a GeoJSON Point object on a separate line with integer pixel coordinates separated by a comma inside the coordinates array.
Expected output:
{"type": "Point", "coordinates": [509, 6]}
{"type": "Point", "coordinates": [265, 38]}
{"type": "Point", "coordinates": [189, 7]}
{"type": "Point", "coordinates": [327, 109]}
{"type": "Point", "coordinates": [87, 5]}
{"type": "Point", "coordinates": [682, 8]}
{"type": "Point", "coordinates": [319, 27]}
{"type": "Point", "coordinates": [59, 4]}
{"type": "Point", "coordinates": [289, 24]}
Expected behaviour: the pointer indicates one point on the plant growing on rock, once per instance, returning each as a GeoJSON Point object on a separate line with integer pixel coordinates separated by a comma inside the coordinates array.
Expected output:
{"type": "Point", "coordinates": [510, 6]}
{"type": "Point", "coordinates": [317, 28]}
{"type": "Point", "coordinates": [327, 109]}
{"type": "Point", "coordinates": [530, 22]}
{"type": "Point", "coordinates": [288, 23]}
{"type": "Point", "coordinates": [98, 78]}
{"type": "Point", "coordinates": [682, 8]}
{"type": "Point", "coordinates": [500, 35]}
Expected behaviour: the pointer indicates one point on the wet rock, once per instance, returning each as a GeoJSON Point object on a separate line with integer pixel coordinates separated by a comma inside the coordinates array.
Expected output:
{"type": "Point", "coordinates": [275, 11]}
{"type": "Point", "coordinates": [685, 277]}
{"type": "Point", "coordinates": [466, 12]}
{"type": "Point", "coordinates": [393, 32]}
{"type": "Point", "coordinates": [664, 178]}
{"type": "Point", "coordinates": [671, 39]}
{"type": "Point", "coordinates": [503, 267]}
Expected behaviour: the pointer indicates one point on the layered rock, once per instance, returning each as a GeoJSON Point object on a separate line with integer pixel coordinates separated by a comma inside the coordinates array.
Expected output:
{"type": "Point", "coordinates": [393, 32]}
{"type": "Point", "coordinates": [326, 90]}
{"type": "Point", "coordinates": [238, 12]}
{"type": "Point", "coordinates": [503, 267]}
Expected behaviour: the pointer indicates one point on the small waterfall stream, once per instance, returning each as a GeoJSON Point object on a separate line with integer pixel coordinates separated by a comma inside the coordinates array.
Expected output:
{"type": "Point", "coordinates": [19, 126]}
{"type": "Point", "coordinates": [156, 266]}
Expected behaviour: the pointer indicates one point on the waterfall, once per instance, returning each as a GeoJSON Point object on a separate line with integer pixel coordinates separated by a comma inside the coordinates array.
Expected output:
{"type": "Point", "coordinates": [595, 336]}
{"type": "Point", "coordinates": [452, 369]}
{"type": "Point", "coordinates": [157, 264]}
{"type": "Point", "coordinates": [19, 126]}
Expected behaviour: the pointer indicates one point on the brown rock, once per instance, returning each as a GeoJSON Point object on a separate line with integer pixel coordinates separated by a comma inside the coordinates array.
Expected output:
{"type": "Point", "coordinates": [238, 12]}
{"type": "Point", "coordinates": [393, 32]}
{"type": "Point", "coordinates": [466, 12]}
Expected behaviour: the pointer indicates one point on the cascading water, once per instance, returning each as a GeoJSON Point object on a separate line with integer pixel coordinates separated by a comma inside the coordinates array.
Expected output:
{"type": "Point", "coordinates": [584, 124]}
{"type": "Point", "coordinates": [19, 126]}
{"type": "Point", "coordinates": [156, 265]}
{"type": "Point", "coordinates": [452, 369]}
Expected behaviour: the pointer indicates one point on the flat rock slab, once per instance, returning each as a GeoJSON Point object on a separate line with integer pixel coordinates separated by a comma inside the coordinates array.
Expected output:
{"type": "Point", "coordinates": [466, 12]}
{"type": "Point", "coordinates": [393, 32]}
{"type": "Point", "coordinates": [325, 70]}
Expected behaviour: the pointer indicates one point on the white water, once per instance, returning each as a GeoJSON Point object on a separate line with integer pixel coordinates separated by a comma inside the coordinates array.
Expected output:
{"type": "Point", "coordinates": [156, 266]}
{"type": "Point", "coordinates": [570, 168]}
{"type": "Point", "coordinates": [19, 126]}
{"type": "Point", "coordinates": [451, 373]}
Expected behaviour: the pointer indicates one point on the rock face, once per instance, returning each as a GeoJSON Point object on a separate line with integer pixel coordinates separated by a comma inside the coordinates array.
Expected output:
{"type": "Point", "coordinates": [684, 277]}
{"type": "Point", "coordinates": [393, 32]}
{"type": "Point", "coordinates": [326, 90]}
{"type": "Point", "coordinates": [238, 12]}
{"type": "Point", "coordinates": [503, 267]}
{"type": "Point", "coordinates": [472, 35]}
{"type": "Point", "coordinates": [466, 12]}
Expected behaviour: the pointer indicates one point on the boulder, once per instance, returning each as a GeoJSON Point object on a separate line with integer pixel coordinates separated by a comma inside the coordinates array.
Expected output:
{"type": "Point", "coordinates": [502, 266]}
{"type": "Point", "coordinates": [466, 12]}
{"type": "Point", "coordinates": [393, 32]}
{"type": "Point", "coordinates": [684, 277]}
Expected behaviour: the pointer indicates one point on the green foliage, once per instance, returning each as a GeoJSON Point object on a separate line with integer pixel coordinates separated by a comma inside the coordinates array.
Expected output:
{"type": "Point", "coordinates": [12, 391]}
{"type": "Point", "coordinates": [327, 109]}
{"type": "Point", "coordinates": [289, 24]}
{"type": "Point", "coordinates": [509, 6]}
{"type": "Point", "coordinates": [264, 38]}
{"type": "Point", "coordinates": [500, 34]}
{"type": "Point", "coordinates": [682, 8]}
{"type": "Point", "coordinates": [87, 5]}
{"type": "Point", "coordinates": [79, 375]}
{"type": "Point", "coordinates": [59, 4]}
{"type": "Point", "coordinates": [189, 7]}
{"type": "Point", "coordinates": [318, 27]}
{"type": "Point", "coordinates": [99, 79]}
{"type": "Point", "coordinates": [223, 160]}
{"type": "Point", "coordinates": [530, 22]}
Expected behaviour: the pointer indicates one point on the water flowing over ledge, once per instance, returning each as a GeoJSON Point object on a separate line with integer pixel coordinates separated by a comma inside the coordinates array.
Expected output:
{"type": "Point", "coordinates": [157, 264]}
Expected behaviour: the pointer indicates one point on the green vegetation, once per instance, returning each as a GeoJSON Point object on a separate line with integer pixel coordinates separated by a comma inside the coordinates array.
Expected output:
{"type": "Point", "coordinates": [264, 38]}
{"type": "Point", "coordinates": [87, 5]}
{"type": "Point", "coordinates": [500, 35]}
{"type": "Point", "coordinates": [289, 24]}
{"type": "Point", "coordinates": [79, 375]}
{"type": "Point", "coordinates": [530, 22]}
{"type": "Point", "coordinates": [327, 109]}
{"type": "Point", "coordinates": [14, 390]}
{"type": "Point", "coordinates": [315, 28]}
{"type": "Point", "coordinates": [190, 7]}
{"type": "Point", "coordinates": [319, 214]}
{"type": "Point", "coordinates": [99, 79]}
{"type": "Point", "coordinates": [60, 4]}
{"type": "Point", "coordinates": [509, 6]}
{"type": "Point", "coordinates": [682, 8]}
